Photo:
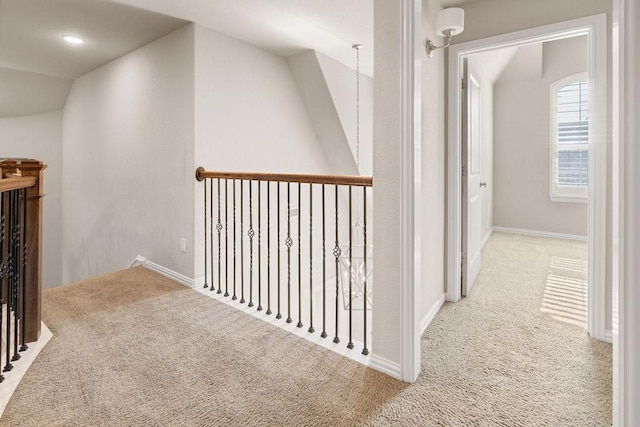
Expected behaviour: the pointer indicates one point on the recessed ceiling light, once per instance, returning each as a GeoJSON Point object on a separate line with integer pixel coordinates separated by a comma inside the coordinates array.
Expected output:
{"type": "Point", "coordinates": [72, 39]}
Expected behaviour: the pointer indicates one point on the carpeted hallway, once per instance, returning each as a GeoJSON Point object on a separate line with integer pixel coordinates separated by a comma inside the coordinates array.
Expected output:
{"type": "Point", "coordinates": [133, 348]}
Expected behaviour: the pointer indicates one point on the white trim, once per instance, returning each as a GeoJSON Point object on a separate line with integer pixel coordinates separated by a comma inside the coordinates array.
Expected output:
{"type": "Point", "coordinates": [595, 27]}
{"type": "Point", "coordinates": [627, 322]}
{"type": "Point", "coordinates": [608, 336]}
{"type": "Point", "coordinates": [486, 237]}
{"type": "Point", "coordinates": [163, 271]}
{"type": "Point", "coordinates": [426, 320]}
{"type": "Point", "coordinates": [541, 233]}
{"type": "Point", "coordinates": [409, 333]}
{"type": "Point", "coordinates": [354, 354]}
{"type": "Point", "coordinates": [385, 366]}
{"type": "Point", "coordinates": [13, 378]}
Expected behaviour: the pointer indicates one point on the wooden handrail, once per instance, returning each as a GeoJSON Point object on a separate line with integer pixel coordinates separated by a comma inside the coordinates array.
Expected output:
{"type": "Point", "coordinates": [351, 180]}
{"type": "Point", "coordinates": [17, 183]}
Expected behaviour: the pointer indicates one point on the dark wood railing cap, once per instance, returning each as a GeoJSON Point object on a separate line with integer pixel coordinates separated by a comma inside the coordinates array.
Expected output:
{"type": "Point", "coordinates": [351, 180]}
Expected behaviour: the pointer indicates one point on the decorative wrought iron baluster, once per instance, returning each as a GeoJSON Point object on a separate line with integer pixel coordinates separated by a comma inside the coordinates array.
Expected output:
{"type": "Point", "coordinates": [336, 253]}
{"type": "Point", "coordinates": [350, 344]}
{"type": "Point", "coordinates": [242, 300]}
{"type": "Point", "coordinates": [251, 233]}
{"type": "Point", "coordinates": [206, 274]}
{"type": "Point", "coordinates": [311, 330]}
{"type": "Point", "coordinates": [233, 183]}
{"type": "Point", "coordinates": [4, 267]}
{"type": "Point", "coordinates": [268, 248]}
{"type": "Point", "coordinates": [8, 366]}
{"type": "Point", "coordinates": [219, 229]}
{"type": "Point", "coordinates": [299, 325]}
{"type": "Point", "coordinates": [365, 350]}
{"type": "Point", "coordinates": [17, 276]}
{"type": "Point", "coordinates": [24, 346]}
{"type": "Point", "coordinates": [259, 252]}
{"type": "Point", "coordinates": [289, 242]}
{"type": "Point", "coordinates": [226, 238]}
{"type": "Point", "coordinates": [279, 314]}
{"type": "Point", "coordinates": [324, 271]}
{"type": "Point", "coordinates": [211, 244]}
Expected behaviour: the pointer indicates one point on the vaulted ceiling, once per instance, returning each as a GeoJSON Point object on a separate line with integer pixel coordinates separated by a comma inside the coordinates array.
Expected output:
{"type": "Point", "coordinates": [37, 67]}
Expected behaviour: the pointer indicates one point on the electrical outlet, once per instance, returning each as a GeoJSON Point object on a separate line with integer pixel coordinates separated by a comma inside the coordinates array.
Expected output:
{"type": "Point", "coordinates": [183, 245]}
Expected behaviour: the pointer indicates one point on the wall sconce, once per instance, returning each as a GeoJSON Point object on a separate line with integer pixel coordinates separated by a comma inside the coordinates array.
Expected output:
{"type": "Point", "coordinates": [449, 23]}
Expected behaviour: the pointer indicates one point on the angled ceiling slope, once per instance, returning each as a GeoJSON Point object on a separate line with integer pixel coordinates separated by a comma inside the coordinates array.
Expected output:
{"type": "Point", "coordinates": [283, 27]}
{"type": "Point", "coordinates": [37, 67]}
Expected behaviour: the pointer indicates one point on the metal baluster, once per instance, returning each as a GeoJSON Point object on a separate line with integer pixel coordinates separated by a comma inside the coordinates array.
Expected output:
{"type": "Point", "coordinates": [234, 297]}
{"type": "Point", "coordinates": [288, 242]}
{"type": "Point", "coordinates": [206, 285]}
{"type": "Point", "coordinates": [268, 248]}
{"type": "Point", "coordinates": [350, 344]}
{"type": "Point", "coordinates": [324, 271]}
{"type": "Point", "coordinates": [251, 233]}
{"type": "Point", "coordinates": [242, 300]}
{"type": "Point", "coordinates": [24, 346]}
{"type": "Point", "coordinates": [4, 267]}
{"type": "Point", "coordinates": [219, 229]}
{"type": "Point", "coordinates": [365, 350]}
{"type": "Point", "coordinates": [279, 314]}
{"type": "Point", "coordinates": [8, 366]}
{"type": "Point", "coordinates": [311, 330]}
{"type": "Point", "coordinates": [336, 254]}
{"type": "Point", "coordinates": [259, 253]}
{"type": "Point", "coordinates": [299, 325]}
{"type": "Point", "coordinates": [226, 238]}
{"type": "Point", "coordinates": [16, 277]}
{"type": "Point", "coordinates": [211, 250]}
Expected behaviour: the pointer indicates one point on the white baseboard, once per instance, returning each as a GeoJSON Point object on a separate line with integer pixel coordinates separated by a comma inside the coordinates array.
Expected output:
{"type": "Point", "coordinates": [163, 271]}
{"type": "Point", "coordinates": [608, 336]}
{"type": "Point", "coordinates": [13, 378]}
{"type": "Point", "coordinates": [540, 233]}
{"type": "Point", "coordinates": [432, 313]}
{"type": "Point", "coordinates": [385, 366]}
{"type": "Point", "coordinates": [486, 237]}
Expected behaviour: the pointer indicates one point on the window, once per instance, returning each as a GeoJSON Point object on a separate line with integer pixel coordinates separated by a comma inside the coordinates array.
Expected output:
{"type": "Point", "coordinates": [570, 139]}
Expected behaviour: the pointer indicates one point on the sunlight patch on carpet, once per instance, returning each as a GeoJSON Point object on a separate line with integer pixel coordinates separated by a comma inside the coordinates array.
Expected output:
{"type": "Point", "coordinates": [566, 291]}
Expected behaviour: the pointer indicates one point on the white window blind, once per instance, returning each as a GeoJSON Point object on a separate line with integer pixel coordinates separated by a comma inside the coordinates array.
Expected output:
{"type": "Point", "coordinates": [573, 135]}
{"type": "Point", "coordinates": [570, 139]}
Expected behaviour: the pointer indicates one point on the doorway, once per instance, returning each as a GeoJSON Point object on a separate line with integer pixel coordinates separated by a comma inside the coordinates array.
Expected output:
{"type": "Point", "coordinates": [465, 182]}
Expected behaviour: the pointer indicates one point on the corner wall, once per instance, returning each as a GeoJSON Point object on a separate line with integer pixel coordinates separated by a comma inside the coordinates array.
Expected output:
{"type": "Point", "coordinates": [128, 161]}
{"type": "Point", "coordinates": [523, 143]}
{"type": "Point", "coordinates": [40, 136]}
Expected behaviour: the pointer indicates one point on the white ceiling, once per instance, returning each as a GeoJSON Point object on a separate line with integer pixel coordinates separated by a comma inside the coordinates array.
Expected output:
{"type": "Point", "coordinates": [284, 27]}
{"type": "Point", "coordinates": [37, 67]}
{"type": "Point", "coordinates": [30, 39]}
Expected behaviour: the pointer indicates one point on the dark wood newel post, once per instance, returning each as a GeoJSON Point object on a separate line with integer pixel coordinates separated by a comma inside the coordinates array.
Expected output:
{"type": "Point", "coordinates": [32, 318]}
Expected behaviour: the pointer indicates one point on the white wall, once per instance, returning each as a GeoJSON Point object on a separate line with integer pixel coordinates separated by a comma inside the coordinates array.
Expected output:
{"type": "Point", "coordinates": [40, 137]}
{"type": "Point", "coordinates": [245, 120]}
{"type": "Point", "coordinates": [433, 169]}
{"type": "Point", "coordinates": [523, 143]}
{"type": "Point", "coordinates": [492, 17]}
{"type": "Point", "coordinates": [128, 156]}
{"type": "Point", "coordinates": [341, 82]}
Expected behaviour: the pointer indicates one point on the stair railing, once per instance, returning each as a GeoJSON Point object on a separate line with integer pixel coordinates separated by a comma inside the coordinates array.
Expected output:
{"type": "Point", "coordinates": [21, 192]}
{"type": "Point", "coordinates": [297, 246]}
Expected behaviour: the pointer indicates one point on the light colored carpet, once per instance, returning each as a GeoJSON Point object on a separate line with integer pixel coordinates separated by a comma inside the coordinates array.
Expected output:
{"type": "Point", "coordinates": [133, 348]}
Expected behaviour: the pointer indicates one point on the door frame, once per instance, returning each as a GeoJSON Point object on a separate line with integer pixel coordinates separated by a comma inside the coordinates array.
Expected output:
{"type": "Point", "coordinates": [595, 27]}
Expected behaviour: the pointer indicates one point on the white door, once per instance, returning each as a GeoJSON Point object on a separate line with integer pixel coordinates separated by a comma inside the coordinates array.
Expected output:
{"type": "Point", "coordinates": [471, 201]}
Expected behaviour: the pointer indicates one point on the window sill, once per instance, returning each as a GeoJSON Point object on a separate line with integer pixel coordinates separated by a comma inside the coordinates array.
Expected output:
{"type": "Point", "coordinates": [569, 199]}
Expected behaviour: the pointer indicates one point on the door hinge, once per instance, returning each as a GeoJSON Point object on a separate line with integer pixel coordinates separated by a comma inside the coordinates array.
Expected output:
{"type": "Point", "coordinates": [463, 84]}
{"type": "Point", "coordinates": [464, 170]}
